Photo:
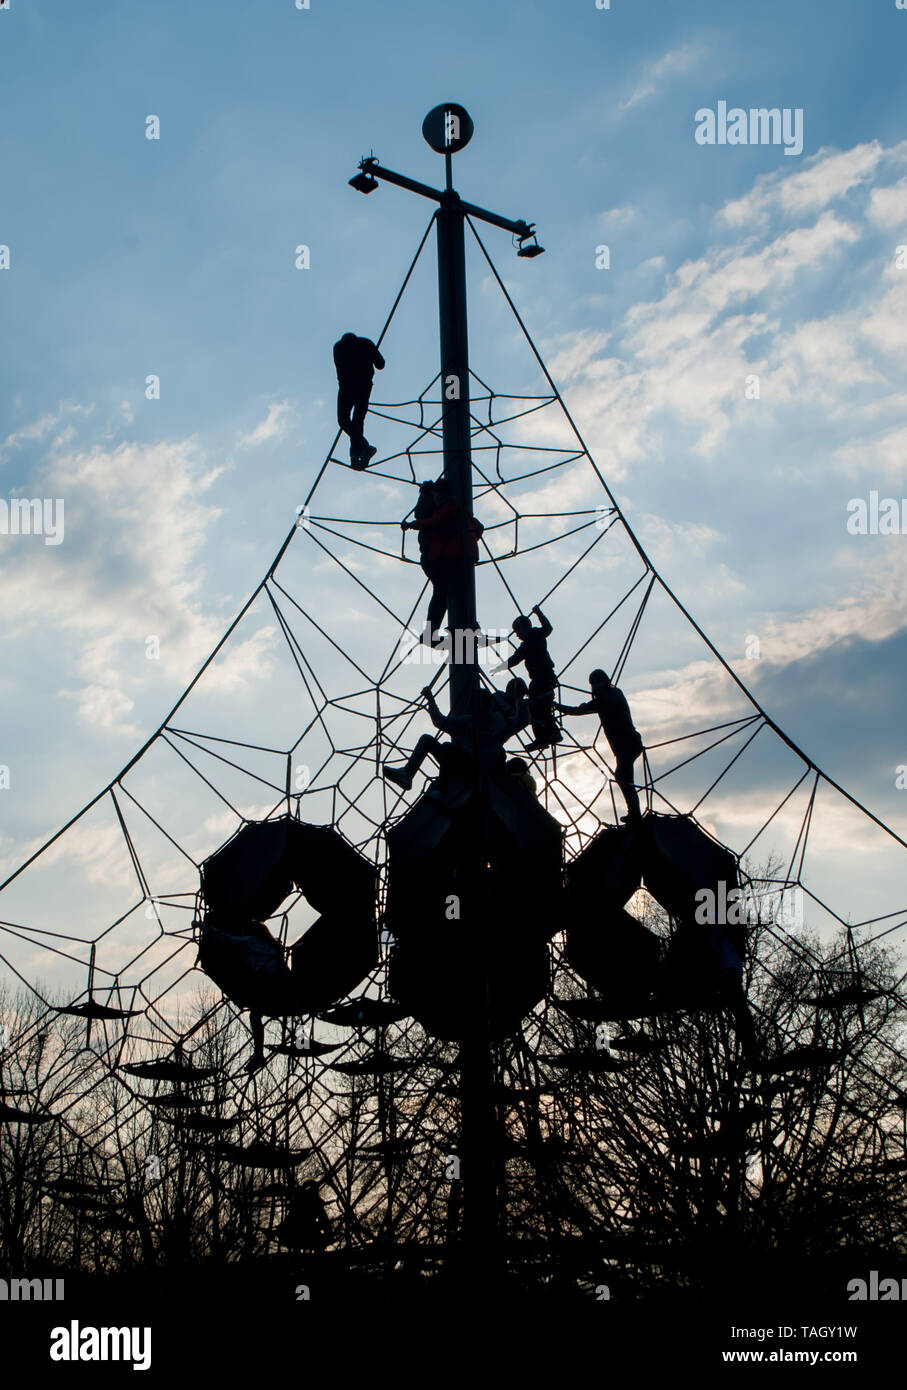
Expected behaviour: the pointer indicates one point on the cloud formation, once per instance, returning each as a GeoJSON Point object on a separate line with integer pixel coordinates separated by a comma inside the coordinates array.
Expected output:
{"type": "Point", "coordinates": [126, 599]}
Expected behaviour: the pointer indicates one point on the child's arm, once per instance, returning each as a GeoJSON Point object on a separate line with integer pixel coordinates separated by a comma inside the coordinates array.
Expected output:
{"type": "Point", "coordinates": [587, 708]}
{"type": "Point", "coordinates": [546, 628]}
{"type": "Point", "coordinates": [437, 518]}
{"type": "Point", "coordinates": [437, 718]}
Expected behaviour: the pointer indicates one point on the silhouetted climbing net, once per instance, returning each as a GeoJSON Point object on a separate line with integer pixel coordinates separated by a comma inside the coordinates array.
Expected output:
{"type": "Point", "coordinates": [370, 1109]}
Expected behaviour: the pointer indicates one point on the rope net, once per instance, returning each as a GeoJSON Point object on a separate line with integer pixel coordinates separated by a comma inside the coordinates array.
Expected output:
{"type": "Point", "coordinates": [100, 921]}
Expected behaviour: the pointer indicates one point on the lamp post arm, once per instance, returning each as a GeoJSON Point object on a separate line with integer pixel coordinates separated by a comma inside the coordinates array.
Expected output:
{"type": "Point", "coordinates": [377, 171]}
{"type": "Point", "coordinates": [518, 228]}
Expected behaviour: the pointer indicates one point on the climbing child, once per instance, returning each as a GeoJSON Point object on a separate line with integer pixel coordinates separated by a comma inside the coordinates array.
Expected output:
{"type": "Point", "coordinates": [513, 703]}
{"type": "Point", "coordinates": [477, 743]}
{"type": "Point", "coordinates": [442, 548]}
{"type": "Point", "coordinates": [518, 769]}
{"type": "Point", "coordinates": [356, 360]}
{"type": "Point", "coordinates": [533, 653]}
{"type": "Point", "coordinates": [427, 504]}
{"type": "Point", "coordinates": [610, 704]}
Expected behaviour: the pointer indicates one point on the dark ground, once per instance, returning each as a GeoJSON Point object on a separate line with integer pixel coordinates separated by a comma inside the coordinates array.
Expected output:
{"type": "Point", "coordinates": [240, 1322]}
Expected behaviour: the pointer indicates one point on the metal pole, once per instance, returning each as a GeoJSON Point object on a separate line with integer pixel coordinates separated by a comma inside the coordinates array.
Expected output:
{"type": "Point", "coordinates": [456, 421]}
{"type": "Point", "coordinates": [478, 1131]}
{"type": "Point", "coordinates": [447, 129]}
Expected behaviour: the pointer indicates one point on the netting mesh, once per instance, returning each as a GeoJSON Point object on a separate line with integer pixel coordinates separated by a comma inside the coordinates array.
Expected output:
{"type": "Point", "coordinates": [103, 916]}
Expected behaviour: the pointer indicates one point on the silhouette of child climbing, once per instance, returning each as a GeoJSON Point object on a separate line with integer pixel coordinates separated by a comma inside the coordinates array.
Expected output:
{"type": "Point", "coordinates": [533, 653]}
{"type": "Point", "coordinates": [249, 965]}
{"type": "Point", "coordinates": [518, 769]}
{"type": "Point", "coordinates": [477, 741]}
{"type": "Point", "coordinates": [442, 547]}
{"type": "Point", "coordinates": [428, 503]}
{"type": "Point", "coordinates": [512, 702]}
{"type": "Point", "coordinates": [356, 360]}
{"type": "Point", "coordinates": [610, 704]}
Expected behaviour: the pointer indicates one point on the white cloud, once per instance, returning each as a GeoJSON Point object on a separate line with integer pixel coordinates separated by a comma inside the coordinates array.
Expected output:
{"type": "Point", "coordinates": [617, 217]}
{"type": "Point", "coordinates": [888, 206]}
{"type": "Point", "coordinates": [675, 61]}
{"type": "Point", "coordinates": [273, 427]}
{"type": "Point", "coordinates": [680, 359]}
{"type": "Point", "coordinates": [128, 569]}
{"type": "Point", "coordinates": [835, 828]}
{"type": "Point", "coordinates": [101, 852]}
{"type": "Point", "coordinates": [875, 612]}
{"type": "Point", "coordinates": [825, 177]}
{"type": "Point", "coordinates": [884, 454]}
{"type": "Point", "coordinates": [882, 324]}
{"type": "Point", "coordinates": [244, 662]}
{"type": "Point", "coordinates": [105, 706]}
{"type": "Point", "coordinates": [38, 430]}
{"type": "Point", "coordinates": [662, 705]}
{"type": "Point", "coordinates": [671, 539]}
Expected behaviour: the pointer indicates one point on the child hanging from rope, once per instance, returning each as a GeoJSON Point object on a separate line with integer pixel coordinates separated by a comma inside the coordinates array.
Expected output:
{"type": "Point", "coordinates": [441, 524]}
{"type": "Point", "coordinates": [513, 703]}
{"type": "Point", "coordinates": [356, 360]}
{"type": "Point", "coordinates": [429, 501]}
{"type": "Point", "coordinates": [610, 704]}
{"type": "Point", "coordinates": [533, 653]}
{"type": "Point", "coordinates": [518, 769]}
{"type": "Point", "coordinates": [248, 964]}
{"type": "Point", "coordinates": [477, 740]}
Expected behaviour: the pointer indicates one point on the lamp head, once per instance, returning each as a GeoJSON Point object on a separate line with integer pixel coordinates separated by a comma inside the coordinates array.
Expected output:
{"type": "Point", "coordinates": [529, 246]}
{"type": "Point", "coordinates": [364, 181]}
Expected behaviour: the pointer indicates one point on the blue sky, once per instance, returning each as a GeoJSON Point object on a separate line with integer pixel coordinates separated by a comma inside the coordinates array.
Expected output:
{"type": "Point", "coordinates": [176, 257]}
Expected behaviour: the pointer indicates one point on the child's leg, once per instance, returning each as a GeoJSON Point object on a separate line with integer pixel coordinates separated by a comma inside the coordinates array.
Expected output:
{"type": "Point", "coordinates": [623, 776]}
{"type": "Point", "coordinates": [541, 712]}
{"type": "Point", "coordinates": [403, 776]}
{"type": "Point", "coordinates": [345, 402]}
{"type": "Point", "coordinates": [437, 607]}
{"type": "Point", "coordinates": [360, 410]}
{"type": "Point", "coordinates": [256, 1023]}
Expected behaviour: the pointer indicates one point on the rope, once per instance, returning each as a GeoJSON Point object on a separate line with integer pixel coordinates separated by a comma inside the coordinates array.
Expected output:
{"type": "Point", "coordinates": [349, 775]}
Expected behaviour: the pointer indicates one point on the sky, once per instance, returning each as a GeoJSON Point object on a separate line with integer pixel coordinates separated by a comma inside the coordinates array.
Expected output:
{"type": "Point", "coordinates": [176, 257]}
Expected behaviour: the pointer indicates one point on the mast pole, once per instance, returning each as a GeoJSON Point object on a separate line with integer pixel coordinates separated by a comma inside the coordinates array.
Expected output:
{"type": "Point", "coordinates": [478, 1119]}
{"type": "Point", "coordinates": [447, 129]}
{"type": "Point", "coordinates": [456, 425]}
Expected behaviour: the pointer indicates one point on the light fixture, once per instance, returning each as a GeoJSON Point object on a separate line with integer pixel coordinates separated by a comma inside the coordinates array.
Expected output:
{"type": "Point", "coordinates": [532, 249]}
{"type": "Point", "coordinates": [365, 181]}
